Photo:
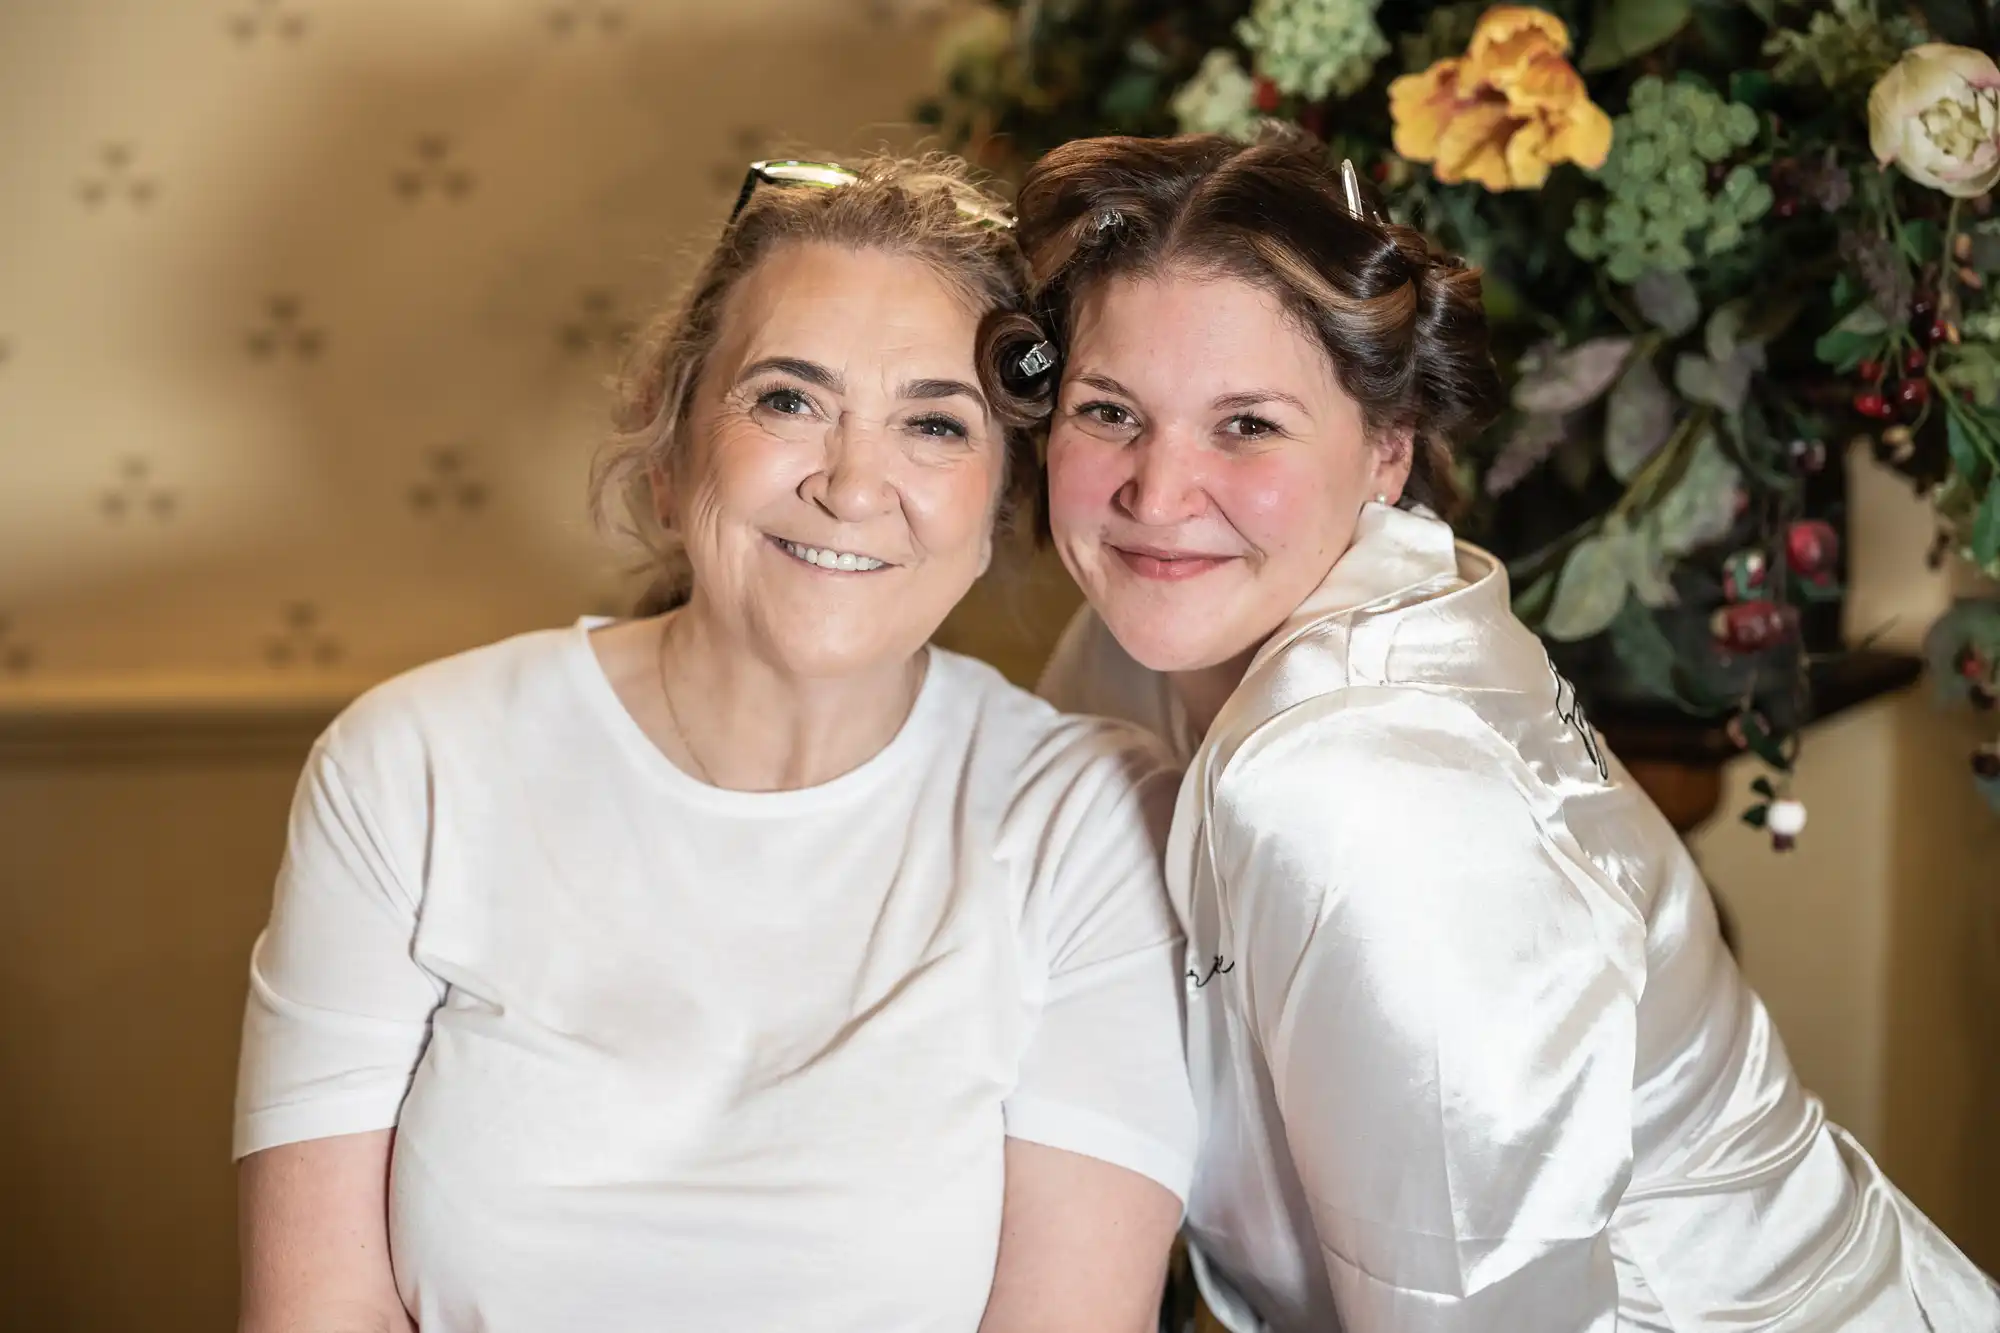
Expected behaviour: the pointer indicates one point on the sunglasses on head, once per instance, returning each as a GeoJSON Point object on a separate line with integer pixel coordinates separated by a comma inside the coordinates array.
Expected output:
{"type": "Point", "coordinates": [831, 176]}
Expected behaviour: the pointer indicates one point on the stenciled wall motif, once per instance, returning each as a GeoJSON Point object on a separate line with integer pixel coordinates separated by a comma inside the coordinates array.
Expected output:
{"type": "Point", "coordinates": [307, 306]}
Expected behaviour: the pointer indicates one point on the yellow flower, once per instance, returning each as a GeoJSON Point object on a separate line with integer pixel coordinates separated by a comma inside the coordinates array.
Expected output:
{"type": "Point", "coordinates": [1506, 111]}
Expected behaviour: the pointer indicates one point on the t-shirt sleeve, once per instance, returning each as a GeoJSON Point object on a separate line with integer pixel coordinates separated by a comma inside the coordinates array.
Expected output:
{"type": "Point", "coordinates": [339, 1010]}
{"type": "Point", "coordinates": [1447, 999]}
{"type": "Point", "coordinates": [1104, 1074]}
{"type": "Point", "coordinates": [1088, 672]}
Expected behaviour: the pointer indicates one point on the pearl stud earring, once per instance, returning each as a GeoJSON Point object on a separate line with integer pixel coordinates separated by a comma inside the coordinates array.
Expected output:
{"type": "Point", "coordinates": [1381, 497]}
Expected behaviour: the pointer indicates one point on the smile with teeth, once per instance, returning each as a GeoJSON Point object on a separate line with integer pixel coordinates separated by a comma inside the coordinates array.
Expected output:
{"type": "Point", "coordinates": [842, 561]}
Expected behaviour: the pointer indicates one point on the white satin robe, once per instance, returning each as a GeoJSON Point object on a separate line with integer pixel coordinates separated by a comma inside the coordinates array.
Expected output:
{"type": "Point", "coordinates": [1469, 1052]}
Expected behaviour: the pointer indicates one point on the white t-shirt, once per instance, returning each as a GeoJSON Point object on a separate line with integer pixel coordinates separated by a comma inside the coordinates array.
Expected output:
{"type": "Point", "coordinates": [664, 1055]}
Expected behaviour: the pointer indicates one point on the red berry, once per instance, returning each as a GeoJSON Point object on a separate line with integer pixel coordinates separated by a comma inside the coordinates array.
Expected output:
{"type": "Point", "coordinates": [1871, 404]}
{"type": "Point", "coordinates": [1750, 627]}
{"type": "Point", "coordinates": [1915, 360]}
{"type": "Point", "coordinates": [1937, 332]}
{"type": "Point", "coordinates": [1912, 393]}
{"type": "Point", "coordinates": [1812, 547]}
{"type": "Point", "coordinates": [1870, 370]}
{"type": "Point", "coordinates": [1267, 95]}
{"type": "Point", "coordinates": [1785, 208]}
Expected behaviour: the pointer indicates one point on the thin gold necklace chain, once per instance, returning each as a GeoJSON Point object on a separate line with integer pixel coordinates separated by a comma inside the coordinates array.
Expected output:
{"type": "Point", "coordinates": [674, 717]}
{"type": "Point", "coordinates": [673, 714]}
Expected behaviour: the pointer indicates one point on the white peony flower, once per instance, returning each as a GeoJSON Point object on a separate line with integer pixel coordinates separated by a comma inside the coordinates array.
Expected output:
{"type": "Point", "coordinates": [1936, 115]}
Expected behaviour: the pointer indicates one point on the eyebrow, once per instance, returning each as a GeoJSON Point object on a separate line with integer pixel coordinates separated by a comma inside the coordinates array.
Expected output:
{"type": "Point", "coordinates": [1231, 402]}
{"type": "Point", "coordinates": [1106, 383]}
{"type": "Point", "coordinates": [812, 372]}
{"type": "Point", "coordinates": [944, 389]}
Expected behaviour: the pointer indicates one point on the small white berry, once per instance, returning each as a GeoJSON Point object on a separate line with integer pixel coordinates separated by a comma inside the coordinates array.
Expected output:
{"type": "Point", "coordinates": [1787, 818]}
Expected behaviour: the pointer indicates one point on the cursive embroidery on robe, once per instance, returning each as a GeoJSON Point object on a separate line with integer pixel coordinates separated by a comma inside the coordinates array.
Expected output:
{"type": "Point", "coordinates": [1215, 970]}
{"type": "Point", "coordinates": [1570, 709]}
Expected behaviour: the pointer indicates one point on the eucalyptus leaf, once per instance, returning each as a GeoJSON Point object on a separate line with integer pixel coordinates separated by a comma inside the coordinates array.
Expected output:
{"type": "Point", "coordinates": [1724, 333]}
{"type": "Point", "coordinates": [1702, 508]}
{"type": "Point", "coordinates": [1564, 381]}
{"type": "Point", "coordinates": [1965, 456]}
{"type": "Point", "coordinates": [1528, 444]}
{"type": "Point", "coordinates": [1638, 417]}
{"type": "Point", "coordinates": [1702, 380]}
{"type": "Point", "coordinates": [1623, 29]}
{"type": "Point", "coordinates": [1976, 368]}
{"type": "Point", "coordinates": [1589, 591]}
{"type": "Point", "coordinates": [1646, 567]}
{"type": "Point", "coordinates": [1532, 602]}
{"type": "Point", "coordinates": [1644, 650]}
{"type": "Point", "coordinates": [1668, 301]}
{"type": "Point", "coordinates": [1985, 532]}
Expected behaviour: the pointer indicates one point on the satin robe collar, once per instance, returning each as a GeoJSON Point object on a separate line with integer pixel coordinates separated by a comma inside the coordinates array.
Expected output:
{"type": "Point", "coordinates": [1404, 581]}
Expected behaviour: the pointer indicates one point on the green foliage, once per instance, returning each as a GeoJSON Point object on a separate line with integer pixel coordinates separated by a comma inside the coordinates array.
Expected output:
{"type": "Point", "coordinates": [1309, 48]}
{"type": "Point", "coordinates": [1623, 29]}
{"type": "Point", "coordinates": [1845, 46]}
{"type": "Point", "coordinates": [1862, 332]}
{"type": "Point", "coordinates": [1680, 330]}
{"type": "Point", "coordinates": [1661, 214]}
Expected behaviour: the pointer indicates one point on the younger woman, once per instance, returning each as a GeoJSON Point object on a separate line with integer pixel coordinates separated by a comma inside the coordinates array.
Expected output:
{"type": "Point", "coordinates": [1469, 1052]}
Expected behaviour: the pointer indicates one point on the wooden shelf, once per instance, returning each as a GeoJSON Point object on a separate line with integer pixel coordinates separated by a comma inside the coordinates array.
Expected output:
{"type": "Point", "coordinates": [1659, 732]}
{"type": "Point", "coordinates": [135, 716]}
{"type": "Point", "coordinates": [1678, 759]}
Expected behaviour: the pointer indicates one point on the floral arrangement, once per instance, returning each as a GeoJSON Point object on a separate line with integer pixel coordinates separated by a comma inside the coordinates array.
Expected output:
{"type": "Point", "coordinates": [1726, 244]}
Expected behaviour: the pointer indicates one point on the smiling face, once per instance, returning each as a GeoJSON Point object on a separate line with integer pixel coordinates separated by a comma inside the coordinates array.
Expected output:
{"type": "Point", "coordinates": [1206, 469]}
{"type": "Point", "coordinates": [838, 488]}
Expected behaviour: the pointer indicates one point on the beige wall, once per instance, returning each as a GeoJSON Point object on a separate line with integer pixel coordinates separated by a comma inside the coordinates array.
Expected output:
{"type": "Point", "coordinates": [464, 202]}
{"type": "Point", "coordinates": [1877, 943]}
{"type": "Point", "coordinates": [130, 887]}
{"type": "Point", "coordinates": [148, 749]}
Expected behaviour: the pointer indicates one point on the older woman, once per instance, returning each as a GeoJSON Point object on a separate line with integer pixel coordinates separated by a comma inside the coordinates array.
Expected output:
{"type": "Point", "coordinates": [753, 966]}
{"type": "Point", "coordinates": [1469, 1053]}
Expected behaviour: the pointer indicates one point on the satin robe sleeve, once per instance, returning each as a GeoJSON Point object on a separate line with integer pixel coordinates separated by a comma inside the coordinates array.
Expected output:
{"type": "Point", "coordinates": [1447, 1004]}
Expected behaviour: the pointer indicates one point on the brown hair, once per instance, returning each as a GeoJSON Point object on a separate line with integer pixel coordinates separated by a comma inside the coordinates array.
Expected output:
{"type": "Point", "coordinates": [900, 205]}
{"type": "Point", "coordinates": [1403, 327]}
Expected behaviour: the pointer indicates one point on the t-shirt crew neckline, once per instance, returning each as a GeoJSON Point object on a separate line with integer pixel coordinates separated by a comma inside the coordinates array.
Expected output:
{"type": "Point", "coordinates": [625, 730]}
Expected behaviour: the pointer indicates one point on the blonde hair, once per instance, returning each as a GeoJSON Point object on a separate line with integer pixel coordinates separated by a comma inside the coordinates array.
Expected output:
{"type": "Point", "coordinates": [928, 208]}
